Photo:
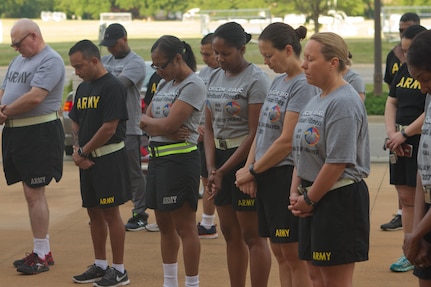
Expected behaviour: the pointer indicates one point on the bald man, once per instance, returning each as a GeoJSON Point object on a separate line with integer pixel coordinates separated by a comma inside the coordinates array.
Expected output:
{"type": "Point", "coordinates": [33, 136]}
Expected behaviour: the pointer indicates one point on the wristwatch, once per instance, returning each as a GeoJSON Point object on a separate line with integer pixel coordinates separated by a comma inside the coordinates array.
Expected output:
{"type": "Point", "coordinates": [81, 152]}
{"type": "Point", "coordinates": [403, 132]}
{"type": "Point", "coordinates": [251, 170]}
{"type": "Point", "coordinates": [307, 200]}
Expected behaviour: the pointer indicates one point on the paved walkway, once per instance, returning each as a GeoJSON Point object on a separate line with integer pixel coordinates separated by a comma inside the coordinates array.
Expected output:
{"type": "Point", "coordinates": [70, 241]}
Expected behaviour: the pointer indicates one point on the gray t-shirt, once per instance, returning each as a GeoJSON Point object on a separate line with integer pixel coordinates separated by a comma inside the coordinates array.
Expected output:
{"type": "Point", "coordinates": [229, 97]}
{"type": "Point", "coordinates": [283, 96]}
{"type": "Point", "coordinates": [205, 73]}
{"type": "Point", "coordinates": [44, 70]}
{"type": "Point", "coordinates": [424, 152]}
{"type": "Point", "coordinates": [333, 129]}
{"type": "Point", "coordinates": [131, 67]}
{"type": "Point", "coordinates": [355, 80]}
{"type": "Point", "coordinates": [191, 91]}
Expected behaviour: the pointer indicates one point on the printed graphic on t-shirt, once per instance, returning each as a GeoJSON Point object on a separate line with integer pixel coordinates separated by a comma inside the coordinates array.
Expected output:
{"type": "Point", "coordinates": [17, 77]}
{"type": "Point", "coordinates": [166, 109]}
{"type": "Point", "coordinates": [424, 154]}
{"type": "Point", "coordinates": [395, 68]}
{"type": "Point", "coordinates": [227, 103]}
{"type": "Point", "coordinates": [232, 108]}
{"type": "Point", "coordinates": [88, 102]}
{"type": "Point", "coordinates": [163, 104]}
{"type": "Point", "coordinates": [408, 83]}
{"type": "Point", "coordinates": [312, 136]}
{"type": "Point", "coordinates": [274, 114]}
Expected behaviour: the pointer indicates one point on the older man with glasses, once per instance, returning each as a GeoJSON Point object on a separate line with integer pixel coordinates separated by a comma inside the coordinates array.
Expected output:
{"type": "Point", "coordinates": [33, 136]}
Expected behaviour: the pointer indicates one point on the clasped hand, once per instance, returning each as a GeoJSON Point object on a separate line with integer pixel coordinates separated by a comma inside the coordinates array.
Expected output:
{"type": "Point", "coordinates": [418, 253]}
{"type": "Point", "coordinates": [298, 206]}
{"type": "Point", "coordinates": [81, 162]}
{"type": "Point", "coordinates": [3, 117]}
{"type": "Point", "coordinates": [245, 182]}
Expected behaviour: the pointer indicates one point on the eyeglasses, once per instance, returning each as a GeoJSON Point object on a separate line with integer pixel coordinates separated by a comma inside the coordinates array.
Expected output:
{"type": "Point", "coordinates": [162, 67]}
{"type": "Point", "coordinates": [17, 45]}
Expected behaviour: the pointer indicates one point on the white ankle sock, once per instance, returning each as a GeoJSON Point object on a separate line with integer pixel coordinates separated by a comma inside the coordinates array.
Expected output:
{"type": "Point", "coordinates": [41, 247]}
{"type": "Point", "coordinates": [170, 275]}
{"type": "Point", "coordinates": [101, 263]}
{"type": "Point", "coordinates": [207, 220]}
{"type": "Point", "coordinates": [48, 247]}
{"type": "Point", "coordinates": [192, 281]}
{"type": "Point", "coordinates": [118, 267]}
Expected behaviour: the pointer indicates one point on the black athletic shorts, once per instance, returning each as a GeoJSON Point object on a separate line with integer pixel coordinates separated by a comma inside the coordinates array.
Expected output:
{"type": "Point", "coordinates": [107, 183]}
{"type": "Point", "coordinates": [276, 221]}
{"type": "Point", "coordinates": [338, 231]}
{"type": "Point", "coordinates": [204, 171]}
{"type": "Point", "coordinates": [404, 171]}
{"type": "Point", "coordinates": [33, 154]}
{"type": "Point", "coordinates": [229, 193]}
{"type": "Point", "coordinates": [173, 180]}
{"type": "Point", "coordinates": [424, 273]}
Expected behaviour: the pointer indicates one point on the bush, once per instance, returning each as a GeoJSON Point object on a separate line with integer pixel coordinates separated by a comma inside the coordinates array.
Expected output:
{"type": "Point", "coordinates": [375, 105]}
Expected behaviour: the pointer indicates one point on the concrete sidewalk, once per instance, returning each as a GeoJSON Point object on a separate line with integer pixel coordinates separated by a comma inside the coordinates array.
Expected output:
{"type": "Point", "coordinates": [71, 244]}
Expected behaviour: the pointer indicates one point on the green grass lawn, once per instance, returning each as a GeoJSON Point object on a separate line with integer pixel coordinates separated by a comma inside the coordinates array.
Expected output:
{"type": "Point", "coordinates": [361, 49]}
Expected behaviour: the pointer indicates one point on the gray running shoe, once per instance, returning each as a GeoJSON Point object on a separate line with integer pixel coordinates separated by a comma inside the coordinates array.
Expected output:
{"type": "Point", "coordinates": [19, 262]}
{"type": "Point", "coordinates": [33, 265]}
{"type": "Point", "coordinates": [92, 274]}
{"type": "Point", "coordinates": [137, 222]}
{"type": "Point", "coordinates": [394, 224]}
{"type": "Point", "coordinates": [113, 278]}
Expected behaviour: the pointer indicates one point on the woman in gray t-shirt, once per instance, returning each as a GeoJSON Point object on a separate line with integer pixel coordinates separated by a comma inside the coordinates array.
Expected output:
{"type": "Point", "coordinates": [173, 169]}
{"type": "Point", "coordinates": [268, 171]}
{"type": "Point", "coordinates": [331, 152]}
{"type": "Point", "coordinates": [236, 92]}
{"type": "Point", "coordinates": [417, 244]}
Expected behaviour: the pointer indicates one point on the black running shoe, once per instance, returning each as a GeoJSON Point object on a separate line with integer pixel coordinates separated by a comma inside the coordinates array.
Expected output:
{"type": "Point", "coordinates": [113, 278]}
{"type": "Point", "coordinates": [92, 274]}
{"type": "Point", "coordinates": [33, 265]}
{"type": "Point", "coordinates": [137, 222]}
{"type": "Point", "coordinates": [48, 259]}
{"type": "Point", "coordinates": [207, 233]}
{"type": "Point", "coordinates": [394, 224]}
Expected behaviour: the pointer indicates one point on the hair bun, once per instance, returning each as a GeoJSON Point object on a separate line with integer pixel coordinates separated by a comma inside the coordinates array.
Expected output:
{"type": "Point", "coordinates": [247, 37]}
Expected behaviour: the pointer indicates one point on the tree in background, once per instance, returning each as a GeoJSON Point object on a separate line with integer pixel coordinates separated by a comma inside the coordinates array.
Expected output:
{"type": "Point", "coordinates": [90, 9]}
{"type": "Point", "coordinates": [24, 8]}
{"type": "Point", "coordinates": [85, 9]}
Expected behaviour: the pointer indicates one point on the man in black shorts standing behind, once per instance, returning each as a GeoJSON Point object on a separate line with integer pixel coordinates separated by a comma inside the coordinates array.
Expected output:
{"type": "Point", "coordinates": [99, 116]}
{"type": "Point", "coordinates": [394, 60]}
{"type": "Point", "coordinates": [33, 136]}
{"type": "Point", "coordinates": [129, 68]}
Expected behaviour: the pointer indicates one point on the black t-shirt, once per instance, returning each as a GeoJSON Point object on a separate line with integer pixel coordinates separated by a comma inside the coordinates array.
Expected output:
{"type": "Point", "coordinates": [392, 66]}
{"type": "Point", "coordinates": [97, 102]}
{"type": "Point", "coordinates": [411, 101]}
{"type": "Point", "coordinates": [151, 88]}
